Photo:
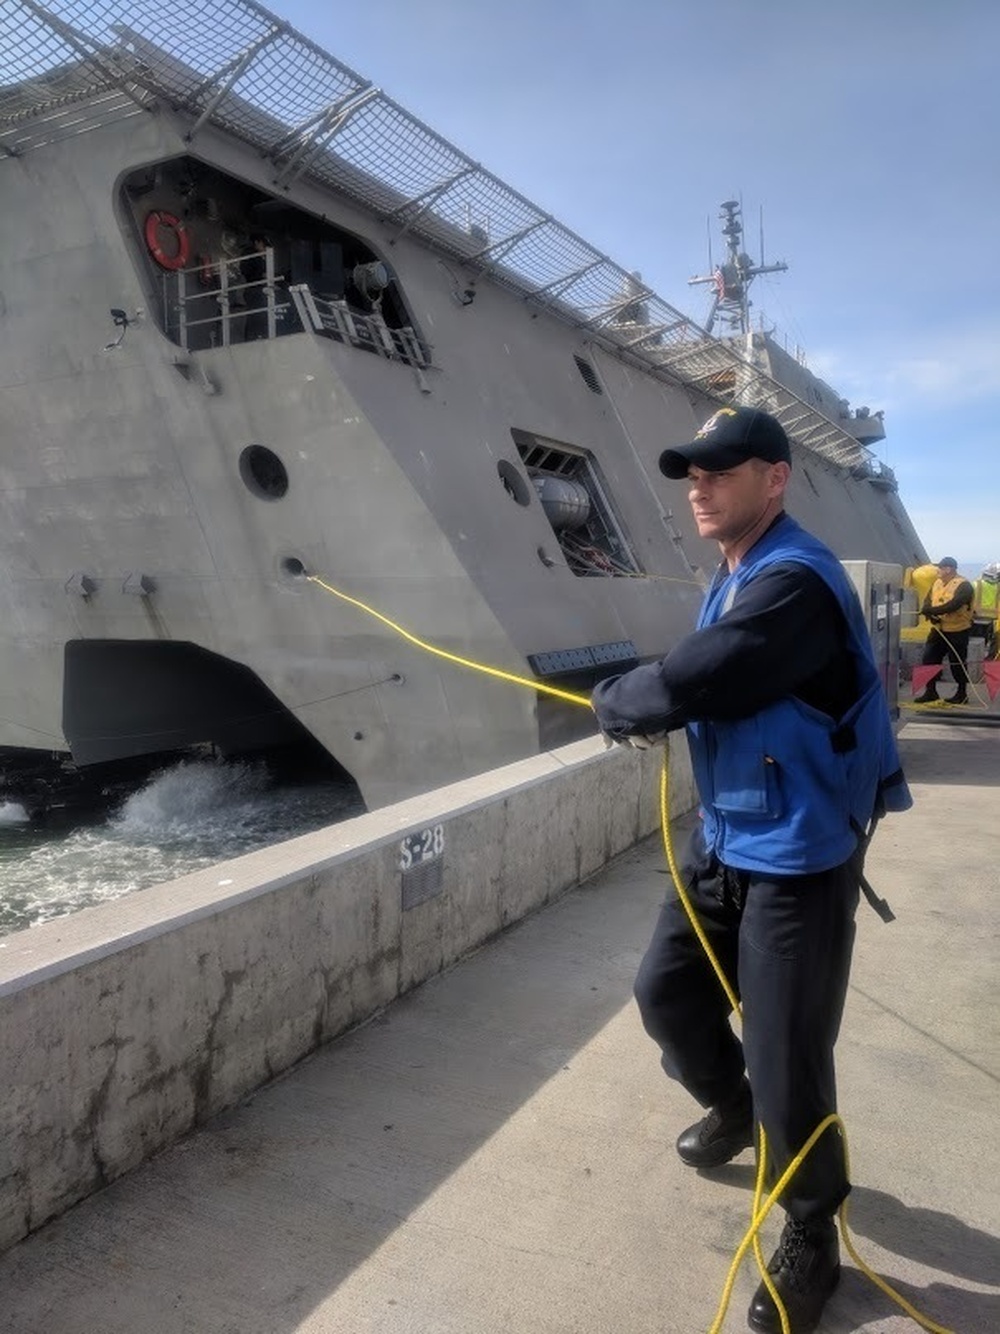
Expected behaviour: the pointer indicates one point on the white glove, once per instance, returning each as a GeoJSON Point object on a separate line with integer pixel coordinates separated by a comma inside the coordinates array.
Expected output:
{"type": "Point", "coordinates": [640, 742]}
{"type": "Point", "coordinates": [647, 742]}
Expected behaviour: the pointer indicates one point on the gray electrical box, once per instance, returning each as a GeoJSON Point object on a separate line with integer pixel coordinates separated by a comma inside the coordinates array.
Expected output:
{"type": "Point", "coordinates": [880, 588]}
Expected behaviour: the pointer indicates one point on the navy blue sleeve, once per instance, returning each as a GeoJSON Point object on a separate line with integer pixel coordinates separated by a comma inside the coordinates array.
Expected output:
{"type": "Point", "coordinates": [784, 635]}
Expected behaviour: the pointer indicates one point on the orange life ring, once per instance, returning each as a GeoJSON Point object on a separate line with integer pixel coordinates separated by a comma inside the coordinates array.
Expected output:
{"type": "Point", "coordinates": [154, 221]}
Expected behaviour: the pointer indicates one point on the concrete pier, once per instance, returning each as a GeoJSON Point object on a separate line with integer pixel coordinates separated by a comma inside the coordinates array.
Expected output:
{"type": "Point", "coordinates": [493, 1153]}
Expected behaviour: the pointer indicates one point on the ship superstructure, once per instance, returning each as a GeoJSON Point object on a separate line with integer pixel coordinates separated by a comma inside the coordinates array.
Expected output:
{"type": "Point", "coordinates": [258, 320]}
{"type": "Point", "coordinates": [730, 283]}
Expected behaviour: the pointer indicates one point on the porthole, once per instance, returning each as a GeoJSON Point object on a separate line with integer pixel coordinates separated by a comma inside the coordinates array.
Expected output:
{"type": "Point", "coordinates": [263, 472]}
{"type": "Point", "coordinates": [514, 482]}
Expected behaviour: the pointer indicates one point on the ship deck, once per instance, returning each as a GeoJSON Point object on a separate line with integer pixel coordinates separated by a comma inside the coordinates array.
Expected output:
{"type": "Point", "coordinates": [494, 1152]}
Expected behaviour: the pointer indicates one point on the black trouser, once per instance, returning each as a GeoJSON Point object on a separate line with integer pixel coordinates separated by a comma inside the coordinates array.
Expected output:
{"type": "Point", "coordinates": [953, 645]}
{"type": "Point", "coordinates": [785, 945]}
{"type": "Point", "coordinates": [986, 631]}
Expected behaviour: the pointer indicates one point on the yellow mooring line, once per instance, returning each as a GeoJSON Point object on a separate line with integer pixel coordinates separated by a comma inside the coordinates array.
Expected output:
{"type": "Point", "coordinates": [760, 1211]}
{"type": "Point", "coordinates": [452, 657]}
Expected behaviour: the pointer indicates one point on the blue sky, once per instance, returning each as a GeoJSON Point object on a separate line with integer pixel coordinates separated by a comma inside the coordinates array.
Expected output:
{"type": "Point", "coordinates": [869, 133]}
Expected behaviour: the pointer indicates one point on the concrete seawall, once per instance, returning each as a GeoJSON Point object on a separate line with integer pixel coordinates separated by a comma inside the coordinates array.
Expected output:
{"type": "Point", "coordinates": [124, 1026]}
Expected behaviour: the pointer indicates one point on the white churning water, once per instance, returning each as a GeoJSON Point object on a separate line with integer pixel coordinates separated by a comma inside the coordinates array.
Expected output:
{"type": "Point", "coordinates": [191, 815]}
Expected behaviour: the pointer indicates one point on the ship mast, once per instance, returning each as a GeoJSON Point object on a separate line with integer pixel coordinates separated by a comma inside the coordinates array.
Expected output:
{"type": "Point", "coordinates": [731, 280]}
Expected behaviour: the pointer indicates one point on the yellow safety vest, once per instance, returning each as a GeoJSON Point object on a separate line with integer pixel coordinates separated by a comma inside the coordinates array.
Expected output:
{"type": "Point", "coordinates": [986, 604]}
{"type": "Point", "coordinates": [944, 592]}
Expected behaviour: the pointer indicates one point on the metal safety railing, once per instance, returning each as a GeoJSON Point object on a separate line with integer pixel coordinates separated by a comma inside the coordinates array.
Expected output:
{"type": "Point", "coordinates": [214, 304]}
{"type": "Point", "coordinates": [336, 319]}
{"type": "Point", "coordinates": [70, 66]}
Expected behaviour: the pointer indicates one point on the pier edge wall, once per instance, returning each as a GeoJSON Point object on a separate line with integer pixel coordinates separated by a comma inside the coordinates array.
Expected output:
{"type": "Point", "coordinates": [124, 1026]}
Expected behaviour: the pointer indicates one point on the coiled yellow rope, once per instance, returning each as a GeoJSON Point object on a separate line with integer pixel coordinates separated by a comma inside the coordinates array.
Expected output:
{"type": "Point", "coordinates": [760, 1212]}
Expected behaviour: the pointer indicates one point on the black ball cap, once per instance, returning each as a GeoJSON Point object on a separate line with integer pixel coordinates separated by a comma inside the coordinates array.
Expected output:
{"type": "Point", "coordinates": [730, 437]}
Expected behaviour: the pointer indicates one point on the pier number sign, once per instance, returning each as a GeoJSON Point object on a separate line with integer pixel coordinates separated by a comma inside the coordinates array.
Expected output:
{"type": "Point", "coordinates": [422, 846]}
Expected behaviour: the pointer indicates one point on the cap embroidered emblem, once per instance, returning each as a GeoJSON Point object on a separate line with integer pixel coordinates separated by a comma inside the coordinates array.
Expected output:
{"type": "Point", "coordinates": [713, 421]}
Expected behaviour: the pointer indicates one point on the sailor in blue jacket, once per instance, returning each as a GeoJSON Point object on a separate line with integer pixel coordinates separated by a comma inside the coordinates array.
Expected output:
{"type": "Point", "coordinates": [793, 750]}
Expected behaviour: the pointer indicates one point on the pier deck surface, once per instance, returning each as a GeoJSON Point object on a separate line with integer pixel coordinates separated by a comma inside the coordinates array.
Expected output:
{"type": "Point", "coordinates": [493, 1155]}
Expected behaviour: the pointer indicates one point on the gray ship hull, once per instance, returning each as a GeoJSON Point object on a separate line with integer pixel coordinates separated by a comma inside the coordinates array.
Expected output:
{"type": "Point", "coordinates": [151, 595]}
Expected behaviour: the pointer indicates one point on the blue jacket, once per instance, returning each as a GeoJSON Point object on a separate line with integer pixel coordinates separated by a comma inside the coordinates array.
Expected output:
{"type": "Point", "coordinates": [789, 790]}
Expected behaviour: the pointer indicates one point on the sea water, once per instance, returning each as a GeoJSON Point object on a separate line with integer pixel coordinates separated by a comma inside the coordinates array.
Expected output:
{"type": "Point", "coordinates": [188, 816]}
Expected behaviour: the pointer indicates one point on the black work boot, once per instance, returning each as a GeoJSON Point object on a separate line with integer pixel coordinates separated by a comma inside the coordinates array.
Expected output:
{"type": "Point", "coordinates": [928, 697]}
{"type": "Point", "coordinates": [720, 1135]}
{"type": "Point", "coordinates": [959, 697]}
{"type": "Point", "coordinates": [805, 1269]}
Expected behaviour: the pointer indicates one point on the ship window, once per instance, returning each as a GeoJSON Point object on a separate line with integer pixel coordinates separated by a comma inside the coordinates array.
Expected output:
{"type": "Point", "coordinates": [589, 375]}
{"type": "Point", "coordinates": [263, 472]}
{"type": "Point", "coordinates": [577, 504]}
{"type": "Point", "coordinates": [226, 263]}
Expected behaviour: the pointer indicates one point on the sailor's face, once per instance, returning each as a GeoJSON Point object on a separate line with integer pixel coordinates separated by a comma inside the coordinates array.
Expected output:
{"type": "Point", "coordinates": [727, 504]}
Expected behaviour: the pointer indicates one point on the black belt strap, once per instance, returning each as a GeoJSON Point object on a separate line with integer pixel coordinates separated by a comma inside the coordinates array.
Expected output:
{"type": "Point", "coordinates": [880, 905]}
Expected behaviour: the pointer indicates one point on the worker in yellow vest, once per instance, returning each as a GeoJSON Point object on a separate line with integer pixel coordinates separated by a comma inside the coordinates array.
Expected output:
{"type": "Point", "coordinates": [948, 607]}
{"type": "Point", "coordinates": [986, 607]}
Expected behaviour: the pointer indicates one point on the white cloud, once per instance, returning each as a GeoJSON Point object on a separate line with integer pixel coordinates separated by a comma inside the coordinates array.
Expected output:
{"type": "Point", "coordinates": [933, 371]}
{"type": "Point", "coordinates": [966, 367]}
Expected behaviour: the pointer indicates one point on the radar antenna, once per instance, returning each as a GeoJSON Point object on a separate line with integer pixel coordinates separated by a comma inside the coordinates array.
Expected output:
{"type": "Point", "coordinates": [731, 279]}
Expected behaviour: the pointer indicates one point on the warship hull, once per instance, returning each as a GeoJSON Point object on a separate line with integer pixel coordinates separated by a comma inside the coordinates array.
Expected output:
{"type": "Point", "coordinates": [225, 368]}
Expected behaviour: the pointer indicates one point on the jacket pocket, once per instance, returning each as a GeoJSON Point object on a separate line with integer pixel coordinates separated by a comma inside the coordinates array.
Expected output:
{"type": "Point", "coordinates": [746, 779]}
